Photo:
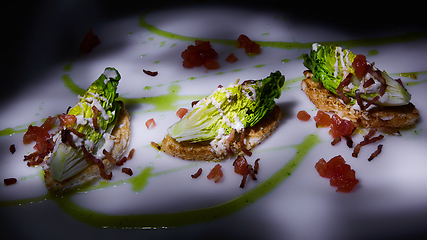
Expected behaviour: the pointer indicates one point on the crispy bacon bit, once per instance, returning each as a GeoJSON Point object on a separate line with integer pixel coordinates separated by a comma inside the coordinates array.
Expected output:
{"type": "Point", "coordinates": [127, 171]}
{"type": "Point", "coordinates": [368, 83]}
{"type": "Point", "coordinates": [303, 116]}
{"type": "Point", "coordinates": [382, 89]}
{"type": "Point", "coordinates": [371, 140]}
{"type": "Point", "coordinates": [130, 155]}
{"type": "Point", "coordinates": [194, 103]}
{"type": "Point", "coordinates": [12, 148]}
{"type": "Point", "coordinates": [124, 159]}
{"type": "Point", "coordinates": [216, 173]}
{"type": "Point", "coordinates": [370, 134]}
{"type": "Point", "coordinates": [371, 102]}
{"type": "Point", "coordinates": [34, 132]}
{"type": "Point", "coordinates": [150, 73]}
{"type": "Point", "coordinates": [349, 141]}
{"type": "Point", "coordinates": [343, 97]}
{"type": "Point", "coordinates": [34, 158]}
{"type": "Point", "coordinates": [340, 90]}
{"type": "Point", "coordinates": [150, 123]}
{"type": "Point", "coordinates": [242, 143]}
{"type": "Point", "coordinates": [108, 155]}
{"type": "Point", "coordinates": [377, 75]}
{"type": "Point", "coordinates": [256, 166]}
{"type": "Point", "coordinates": [249, 171]}
{"type": "Point", "coordinates": [335, 141]}
{"type": "Point", "coordinates": [368, 139]}
{"type": "Point", "coordinates": [356, 150]}
{"type": "Point", "coordinates": [243, 182]}
{"type": "Point", "coordinates": [242, 167]}
{"type": "Point", "coordinates": [89, 42]}
{"type": "Point", "coordinates": [95, 118]}
{"type": "Point", "coordinates": [44, 144]}
{"type": "Point", "coordinates": [90, 158]}
{"type": "Point", "coordinates": [67, 138]}
{"type": "Point", "coordinates": [401, 83]}
{"type": "Point", "coordinates": [340, 174]}
{"type": "Point", "coordinates": [9, 181]}
{"type": "Point", "coordinates": [181, 112]}
{"type": "Point", "coordinates": [231, 58]}
{"type": "Point", "coordinates": [359, 100]}
{"type": "Point", "coordinates": [75, 132]}
{"type": "Point", "coordinates": [157, 146]}
{"type": "Point", "coordinates": [376, 153]}
{"type": "Point", "coordinates": [345, 82]}
{"type": "Point", "coordinates": [229, 141]}
{"type": "Point", "coordinates": [197, 174]}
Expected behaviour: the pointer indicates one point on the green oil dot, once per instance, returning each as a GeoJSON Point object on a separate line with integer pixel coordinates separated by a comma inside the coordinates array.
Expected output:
{"type": "Point", "coordinates": [372, 52]}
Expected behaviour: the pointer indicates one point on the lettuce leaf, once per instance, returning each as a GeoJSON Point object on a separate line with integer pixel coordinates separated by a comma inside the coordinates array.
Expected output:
{"type": "Point", "coordinates": [66, 161]}
{"type": "Point", "coordinates": [235, 107]}
{"type": "Point", "coordinates": [330, 65]}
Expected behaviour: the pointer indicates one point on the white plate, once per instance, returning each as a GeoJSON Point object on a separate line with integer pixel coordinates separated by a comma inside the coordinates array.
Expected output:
{"type": "Point", "coordinates": [388, 201]}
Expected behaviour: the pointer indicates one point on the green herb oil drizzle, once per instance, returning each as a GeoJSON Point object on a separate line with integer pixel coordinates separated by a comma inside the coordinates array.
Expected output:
{"type": "Point", "coordinates": [138, 182]}
{"type": "Point", "coordinates": [407, 37]}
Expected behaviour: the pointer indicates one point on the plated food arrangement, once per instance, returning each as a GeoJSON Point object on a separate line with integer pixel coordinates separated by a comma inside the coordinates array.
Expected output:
{"type": "Point", "coordinates": [246, 118]}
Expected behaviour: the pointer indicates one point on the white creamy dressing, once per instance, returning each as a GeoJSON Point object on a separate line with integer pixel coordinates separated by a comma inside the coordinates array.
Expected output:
{"type": "Point", "coordinates": [371, 89]}
{"type": "Point", "coordinates": [343, 60]}
{"type": "Point", "coordinates": [315, 46]}
{"type": "Point", "coordinates": [108, 73]}
{"type": "Point", "coordinates": [252, 90]}
{"type": "Point", "coordinates": [219, 143]}
{"type": "Point", "coordinates": [108, 145]}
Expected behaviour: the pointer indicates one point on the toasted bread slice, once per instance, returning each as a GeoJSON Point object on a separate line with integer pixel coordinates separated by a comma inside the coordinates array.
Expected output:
{"type": "Point", "coordinates": [121, 134]}
{"type": "Point", "coordinates": [204, 151]}
{"type": "Point", "coordinates": [399, 117]}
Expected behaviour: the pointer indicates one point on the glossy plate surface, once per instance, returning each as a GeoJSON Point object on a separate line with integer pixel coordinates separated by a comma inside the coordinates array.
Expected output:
{"type": "Point", "coordinates": [289, 200]}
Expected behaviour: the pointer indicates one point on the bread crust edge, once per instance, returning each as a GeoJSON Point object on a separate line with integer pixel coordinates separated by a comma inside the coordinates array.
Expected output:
{"type": "Point", "coordinates": [91, 174]}
{"type": "Point", "coordinates": [399, 117]}
{"type": "Point", "coordinates": [204, 152]}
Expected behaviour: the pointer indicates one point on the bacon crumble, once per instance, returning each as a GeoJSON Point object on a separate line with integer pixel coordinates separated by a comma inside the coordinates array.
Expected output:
{"type": "Point", "coordinates": [12, 148]}
{"type": "Point", "coordinates": [156, 145]}
{"type": "Point", "coordinates": [335, 141]}
{"type": "Point", "coordinates": [229, 141]}
{"type": "Point", "coordinates": [108, 155]}
{"type": "Point", "coordinates": [242, 143]}
{"type": "Point", "coordinates": [197, 174]}
{"type": "Point", "coordinates": [90, 158]}
{"type": "Point", "coordinates": [95, 118]}
{"type": "Point", "coordinates": [150, 73]}
{"type": "Point", "coordinates": [376, 153]}
{"type": "Point", "coordinates": [368, 139]}
{"type": "Point", "coordinates": [124, 159]}
{"type": "Point", "coordinates": [9, 181]}
{"type": "Point", "coordinates": [256, 166]}
{"type": "Point", "coordinates": [127, 171]}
